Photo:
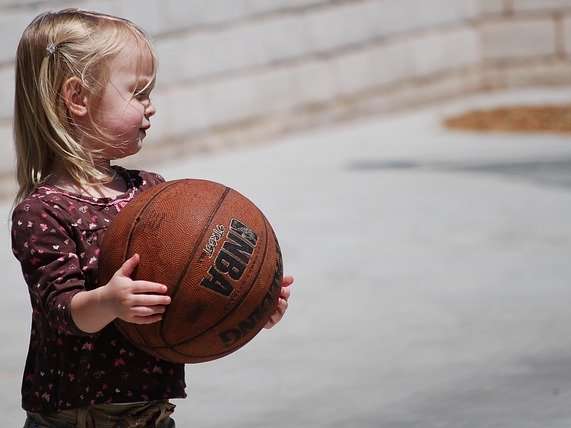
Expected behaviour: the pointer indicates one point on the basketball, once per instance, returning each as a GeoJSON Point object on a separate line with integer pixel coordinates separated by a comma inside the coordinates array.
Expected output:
{"type": "Point", "coordinates": [217, 254]}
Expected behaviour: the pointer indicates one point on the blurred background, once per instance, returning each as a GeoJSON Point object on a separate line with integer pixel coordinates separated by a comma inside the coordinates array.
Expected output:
{"type": "Point", "coordinates": [413, 157]}
{"type": "Point", "coordinates": [243, 71]}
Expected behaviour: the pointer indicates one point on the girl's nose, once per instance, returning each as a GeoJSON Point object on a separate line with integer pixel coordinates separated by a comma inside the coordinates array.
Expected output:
{"type": "Point", "coordinates": [150, 109]}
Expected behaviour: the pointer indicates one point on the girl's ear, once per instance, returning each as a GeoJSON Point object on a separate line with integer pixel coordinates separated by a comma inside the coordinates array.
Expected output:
{"type": "Point", "coordinates": [75, 97]}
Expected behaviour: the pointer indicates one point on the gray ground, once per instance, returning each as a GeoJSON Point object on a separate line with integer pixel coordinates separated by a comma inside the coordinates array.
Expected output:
{"type": "Point", "coordinates": [432, 281]}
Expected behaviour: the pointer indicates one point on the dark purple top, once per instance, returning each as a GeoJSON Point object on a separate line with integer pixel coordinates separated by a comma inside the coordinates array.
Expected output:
{"type": "Point", "coordinates": [55, 236]}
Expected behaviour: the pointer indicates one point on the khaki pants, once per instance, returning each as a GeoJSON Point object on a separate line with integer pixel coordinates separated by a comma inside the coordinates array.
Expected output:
{"type": "Point", "coordinates": [154, 414]}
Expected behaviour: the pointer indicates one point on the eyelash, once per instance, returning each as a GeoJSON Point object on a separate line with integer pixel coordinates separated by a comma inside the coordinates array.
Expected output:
{"type": "Point", "coordinates": [142, 94]}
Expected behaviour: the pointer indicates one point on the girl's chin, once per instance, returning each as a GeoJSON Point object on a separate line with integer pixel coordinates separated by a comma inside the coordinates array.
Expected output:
{"type": "Point", "coordinates": [130, 151]}
{"type": "Point", "coordinates": [142, 136]}
{"type": "Point", "coordinates": [135, 146]}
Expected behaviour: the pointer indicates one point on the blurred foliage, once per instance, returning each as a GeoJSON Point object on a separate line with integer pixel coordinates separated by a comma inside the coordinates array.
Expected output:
{"type": "Point", "coordinates": [540, 118]}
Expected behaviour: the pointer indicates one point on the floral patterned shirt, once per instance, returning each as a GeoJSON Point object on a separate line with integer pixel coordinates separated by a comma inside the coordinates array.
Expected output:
{"type": "Point", "coordinates": [56, 236]}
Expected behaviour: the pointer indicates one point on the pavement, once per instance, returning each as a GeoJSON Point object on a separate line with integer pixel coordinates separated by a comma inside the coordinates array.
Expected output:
{"type": "Point", "coordinates": [432, 280]}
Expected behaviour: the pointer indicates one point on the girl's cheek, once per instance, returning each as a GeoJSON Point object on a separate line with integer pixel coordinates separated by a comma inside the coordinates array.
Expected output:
{"type": "Point", "coordinates": [137, 107]}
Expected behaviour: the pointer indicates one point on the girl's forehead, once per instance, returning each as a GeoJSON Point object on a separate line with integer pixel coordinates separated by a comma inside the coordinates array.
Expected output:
{"type": "Point", "coordinates": [134, 58]}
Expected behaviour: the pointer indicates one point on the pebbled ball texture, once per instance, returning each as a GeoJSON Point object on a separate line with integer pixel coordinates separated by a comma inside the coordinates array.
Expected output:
{"type": "Point", "coordinates": [218, 256]}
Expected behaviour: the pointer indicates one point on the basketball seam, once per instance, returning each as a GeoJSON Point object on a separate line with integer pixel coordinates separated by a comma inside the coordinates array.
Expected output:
{"type": "Point", "coordinates": [238, 303]}
{"type": "Point", "coordinates": [140, 213]}
{"type": "Point", "coordinates": [129, 238]}
{"type": "Point", "coordinates": [191, 258]}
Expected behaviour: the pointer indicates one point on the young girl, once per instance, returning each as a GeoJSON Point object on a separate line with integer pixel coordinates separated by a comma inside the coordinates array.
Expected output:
{"type": "Point", "coordinates": [83, 81]}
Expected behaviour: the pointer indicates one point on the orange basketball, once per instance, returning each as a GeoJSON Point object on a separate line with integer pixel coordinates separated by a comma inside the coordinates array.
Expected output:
{"type": "Point", "coordinates": [216, 253]}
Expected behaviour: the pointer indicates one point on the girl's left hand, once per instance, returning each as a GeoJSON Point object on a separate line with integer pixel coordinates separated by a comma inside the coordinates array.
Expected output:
{"type": "Point", "coordinates": [282, 302]}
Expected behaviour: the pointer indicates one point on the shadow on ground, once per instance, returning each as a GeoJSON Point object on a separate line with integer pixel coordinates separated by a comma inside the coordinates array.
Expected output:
{"type": "Point", "coordinates": [548, 172]}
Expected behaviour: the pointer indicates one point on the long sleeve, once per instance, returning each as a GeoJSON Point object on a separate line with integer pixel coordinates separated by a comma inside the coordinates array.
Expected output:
{"type": "Point", "coordinates": [56, 236]}
{"type": "Point", "coordinates": [50, 264]}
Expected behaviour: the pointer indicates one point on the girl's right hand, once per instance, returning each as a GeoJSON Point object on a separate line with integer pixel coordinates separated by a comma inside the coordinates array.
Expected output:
{"type": "Point", "coordinates": [138, 302]}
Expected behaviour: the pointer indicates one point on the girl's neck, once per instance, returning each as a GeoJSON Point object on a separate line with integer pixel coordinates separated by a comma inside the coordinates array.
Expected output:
{"type": "Point", "coordinates": [117, 186]}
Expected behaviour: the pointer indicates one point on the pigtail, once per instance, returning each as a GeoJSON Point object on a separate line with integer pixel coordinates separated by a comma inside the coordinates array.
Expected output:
{"type": "Point", "coordinates": [53, 48]}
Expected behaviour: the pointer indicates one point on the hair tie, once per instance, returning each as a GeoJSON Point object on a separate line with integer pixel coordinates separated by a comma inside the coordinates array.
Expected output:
{"type": "Point", "coordinates": [51, 48]}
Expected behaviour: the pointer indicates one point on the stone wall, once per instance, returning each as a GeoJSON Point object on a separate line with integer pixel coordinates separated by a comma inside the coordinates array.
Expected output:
{"type": "Point", "coordinates": [235, 72]}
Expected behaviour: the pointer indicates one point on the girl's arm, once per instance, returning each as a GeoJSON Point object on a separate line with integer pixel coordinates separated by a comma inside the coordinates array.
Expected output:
{"type": "Point", "coordinates": [43, 243]}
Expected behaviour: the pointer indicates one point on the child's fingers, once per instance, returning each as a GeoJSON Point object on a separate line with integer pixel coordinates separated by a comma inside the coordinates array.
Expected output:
{"type": "Point", "coordinates": [285, 292]}
{"type": "Point", "coordinates": [270, 323]}
{"type": "Point", "coordinates": [278, 314]}
{"type": "Point", "coordinates": [149, 300]}
{"type": "Point", "coordinates": [282, 306]}
{"type": "Point", "coordinates": [145, 311]}
{"type": "Point", "coordinates": [148, 287]}
{"type": "Point", "coordinates": [129, 265]}
{"type": "Point", "coordinates": [274, 319]}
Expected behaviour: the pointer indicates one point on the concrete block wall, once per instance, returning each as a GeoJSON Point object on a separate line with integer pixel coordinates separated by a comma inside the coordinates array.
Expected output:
{"type": "Point", "coordinates": [234, 72]}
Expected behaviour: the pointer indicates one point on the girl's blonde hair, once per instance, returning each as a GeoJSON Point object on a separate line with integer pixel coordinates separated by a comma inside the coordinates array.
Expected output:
{"type": "Point", "coordinates": [55, 47]}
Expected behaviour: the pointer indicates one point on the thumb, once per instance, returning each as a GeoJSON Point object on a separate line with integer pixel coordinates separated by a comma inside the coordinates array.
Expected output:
{"type": "Point", "coordinates": [129, 265]}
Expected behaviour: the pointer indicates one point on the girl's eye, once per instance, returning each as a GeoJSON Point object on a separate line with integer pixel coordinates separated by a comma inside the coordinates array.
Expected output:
{"type": "Point", "coordinates": [142, 95]}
